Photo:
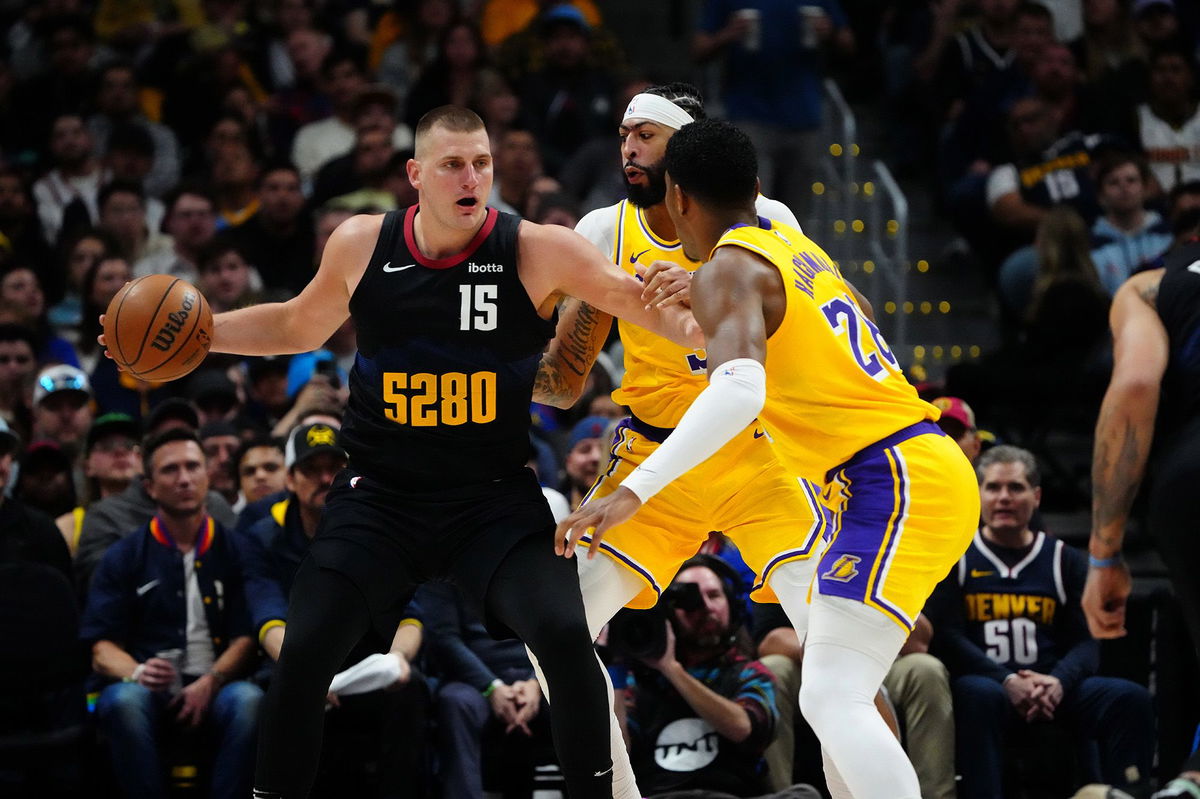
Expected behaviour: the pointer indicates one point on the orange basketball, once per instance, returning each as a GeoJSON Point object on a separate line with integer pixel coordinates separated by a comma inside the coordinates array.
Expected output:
{"type": "Point", "coordinates": [158, 327]}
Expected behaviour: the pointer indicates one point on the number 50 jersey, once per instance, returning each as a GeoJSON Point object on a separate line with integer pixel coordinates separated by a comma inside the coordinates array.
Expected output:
{"type": "Point", "coordinates": [833, 385]}
{"type": "Point", "coordinates": [447, 354]}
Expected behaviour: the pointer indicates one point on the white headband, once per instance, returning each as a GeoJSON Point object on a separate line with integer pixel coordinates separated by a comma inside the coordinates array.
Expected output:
{"type": "Point", "coordinates": [653, 108]}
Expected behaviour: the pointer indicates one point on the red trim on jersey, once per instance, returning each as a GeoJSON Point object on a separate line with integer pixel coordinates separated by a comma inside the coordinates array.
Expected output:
{"type": "Point", "coordinates": [410, 239]}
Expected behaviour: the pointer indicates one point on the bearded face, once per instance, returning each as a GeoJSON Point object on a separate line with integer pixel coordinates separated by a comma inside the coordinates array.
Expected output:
{"type": "Point", "coordinates": [654, 188]}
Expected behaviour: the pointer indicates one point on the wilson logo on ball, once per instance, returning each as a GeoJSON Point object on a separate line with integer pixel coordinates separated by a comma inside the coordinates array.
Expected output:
{"type": "Point", "coordinates": [164, 339]}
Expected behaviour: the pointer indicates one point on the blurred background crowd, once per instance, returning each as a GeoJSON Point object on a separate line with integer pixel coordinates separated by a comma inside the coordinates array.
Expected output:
{"type": "Point", "coordinates": [1053, 149]}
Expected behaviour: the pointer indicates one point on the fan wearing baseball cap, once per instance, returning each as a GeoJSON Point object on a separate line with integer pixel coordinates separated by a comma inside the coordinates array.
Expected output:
{"type": "Point", "coordinates": [271, 552]}
{"type": "Point", "coordinates": [111, 461]}
{"type": "Point", "coordinates": [62, 407]}
{"type": "Point", "coordinates": [958, 422]}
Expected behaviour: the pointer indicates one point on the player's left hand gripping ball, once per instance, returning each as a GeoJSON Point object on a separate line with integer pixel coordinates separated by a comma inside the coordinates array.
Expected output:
{"type": "Point", "coordinates": [593, 519]}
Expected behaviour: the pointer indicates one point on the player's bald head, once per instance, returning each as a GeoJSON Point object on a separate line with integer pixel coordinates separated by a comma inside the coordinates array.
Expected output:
{"type": "Point", "coordinates": [450, 118]}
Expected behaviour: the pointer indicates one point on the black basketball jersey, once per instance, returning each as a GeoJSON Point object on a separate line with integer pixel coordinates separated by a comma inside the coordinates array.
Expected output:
{"type": "Point", "coordinates": [447, 354]}
{"type": "Point", "coordinates": [1020, 615]}
{"type": "Point", "coordinates": [1178, 306]}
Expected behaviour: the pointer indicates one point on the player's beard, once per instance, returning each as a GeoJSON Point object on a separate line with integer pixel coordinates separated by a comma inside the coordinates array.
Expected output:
{"type": "Point", "coordinates": [655, 190]}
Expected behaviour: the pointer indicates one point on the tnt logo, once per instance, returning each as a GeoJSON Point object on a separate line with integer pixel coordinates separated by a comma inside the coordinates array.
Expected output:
{"type": "Point", "coordinates": [321, 435]}
{"type": "Point", "coordinates": [844, 569]}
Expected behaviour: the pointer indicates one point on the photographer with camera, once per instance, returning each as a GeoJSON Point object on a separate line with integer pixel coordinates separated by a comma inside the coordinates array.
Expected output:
{"type": "Point", "coordinates": [703, 712]}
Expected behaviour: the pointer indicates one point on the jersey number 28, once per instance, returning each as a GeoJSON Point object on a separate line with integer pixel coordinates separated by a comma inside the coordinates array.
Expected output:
{"type": "Point", "coordinates": [870, 351]}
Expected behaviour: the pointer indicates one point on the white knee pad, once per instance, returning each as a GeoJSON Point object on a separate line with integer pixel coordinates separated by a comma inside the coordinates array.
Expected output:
{"type": "Point", "coordinates": [791, 582]}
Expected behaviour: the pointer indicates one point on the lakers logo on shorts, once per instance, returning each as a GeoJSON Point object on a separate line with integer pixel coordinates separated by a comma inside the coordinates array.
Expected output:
{"type": "Point", "coordinates": [843, 570]}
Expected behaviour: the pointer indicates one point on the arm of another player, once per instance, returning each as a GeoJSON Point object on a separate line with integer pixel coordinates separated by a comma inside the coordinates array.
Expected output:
{"type": "Point", "coordinates": [1123, 435]}
{"type": "Point", "coordinates": [578, 339]}
{"type": "Point", "coordinates": [557, 261]}
{"type": "Point", "coordinates": [305, 322]}
{"type": "Point", "coordinates": [730, 298]}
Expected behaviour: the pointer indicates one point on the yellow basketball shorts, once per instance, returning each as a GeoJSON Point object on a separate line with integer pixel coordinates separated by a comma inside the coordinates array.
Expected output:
{"type": "Point", "coordinates": [904, 511]}
{"type": "Point", "coordinates": [742, 491]}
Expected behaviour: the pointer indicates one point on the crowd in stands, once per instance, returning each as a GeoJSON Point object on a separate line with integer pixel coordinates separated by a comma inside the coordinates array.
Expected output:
{"type": "Point", "coordinates": [223, 141]}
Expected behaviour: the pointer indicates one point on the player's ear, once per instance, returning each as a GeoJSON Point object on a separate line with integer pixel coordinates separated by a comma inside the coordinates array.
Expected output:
{"type": "Point", "coordinates": [757, 187]}
{"type": "Point", "coordinates": [681, 200]}
{"type": "Point", "coordinates": [413, 167]}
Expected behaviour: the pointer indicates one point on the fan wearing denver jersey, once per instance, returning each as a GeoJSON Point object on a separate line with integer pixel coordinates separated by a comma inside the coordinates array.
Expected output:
{"type": "Point", "coordinates": [453, 304]}
{"type": "Point", "coordinates": [775, 519]}
{"type": "Point", "coordinates": [839, 411]}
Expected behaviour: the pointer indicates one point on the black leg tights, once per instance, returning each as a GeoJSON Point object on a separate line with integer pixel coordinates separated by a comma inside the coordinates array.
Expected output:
{"type": "Point", "coordinates": [326, 618]}
{"type": "Point", "coordinates": [536, 593]}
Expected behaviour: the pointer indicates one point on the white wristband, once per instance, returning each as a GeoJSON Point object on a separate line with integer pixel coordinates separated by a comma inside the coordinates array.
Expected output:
{"type": "Point", "coordinates": [735, 394]}
{"type": "Point", "coordinates": [137, 673]}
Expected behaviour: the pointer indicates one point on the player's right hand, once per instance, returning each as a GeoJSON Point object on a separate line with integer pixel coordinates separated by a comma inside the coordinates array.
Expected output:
{"type": "Point", "coordinates": [1104, 596]}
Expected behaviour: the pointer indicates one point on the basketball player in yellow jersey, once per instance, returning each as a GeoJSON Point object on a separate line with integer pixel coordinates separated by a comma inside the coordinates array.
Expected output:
{"type": "Point", "coordinates": [840, 411]}
{"type": "Point", "coordinates": [775, 520]}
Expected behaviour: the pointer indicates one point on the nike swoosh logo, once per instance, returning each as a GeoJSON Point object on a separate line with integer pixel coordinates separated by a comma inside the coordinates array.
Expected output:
{"type": "Point", "coordinates": [759, 433]}
{"type": "Point", "coordinates": [981, 573]}
{"type": "Point", "coordinates": [142, 589]}
{"type": "Point", "coordinates": [633, 258]}
{"type": "Point", "coordinates": [389, 268]}
{"type": "Point", "coordinates": [1194, 267]}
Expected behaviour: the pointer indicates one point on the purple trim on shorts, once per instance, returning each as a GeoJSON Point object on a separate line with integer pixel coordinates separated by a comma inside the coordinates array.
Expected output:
{"type": "Point", "coordinates": [621, 556]}
{"type": "Point", "coordinates": [894, 531]}
{"type": "Point", "coordinates": [647, 430]}
{"type": "Point", "coordinates": [903, 434]}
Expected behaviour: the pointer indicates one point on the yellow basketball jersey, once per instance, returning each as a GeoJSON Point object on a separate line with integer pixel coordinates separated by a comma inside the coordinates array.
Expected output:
{"type": "Point", "coordinates": [833, 385]}
{"type": "Point", "coordinates": [661, 377]}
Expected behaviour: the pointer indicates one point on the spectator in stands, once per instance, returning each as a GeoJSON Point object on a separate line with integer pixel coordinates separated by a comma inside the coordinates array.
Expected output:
{"type": "Point", "coordinates": [112, 460]}
{"type": "Point", "coordinates": [130, 156]}
{"type": "Point", "coordinates": [101, 283]}
{"type": "Point", "coordinates": [406, 40]}
{"type": "Point", "coordinates": [497, 105]}
{"type": "Point", "coordinates": [117, 102]}
{"type": "Point", "coordinates": [704, 712]}
{"type": "Point", "coordinates": [773, 82]}
{"type": "Point", "coordinates": [62, 409]}
{"type": "Point", "coordinates": [342, 79]}
{"type": "Point", "coordinates": [227, 280]}
{"type": "Point", "coordinates": [214, 395]}
{"type": "Point", "coordinates": [454, 74]}
{"type": "Point", "coordinates": [267, 399]}
{"type": "Point", "coordinates": [958, 422]}
{"type": "Point", "coordinates": [46, 480]}
{"type": "Point", "coordinates": [132, 220]}
{"type": "Point", "coordinates": [363, 163]}
{"type": "Point", "coordinates": [1056, 81]}
{"type": "Point", "coordinates": [80, 252]}
{"type": "Point", "coordinates": [18, 366]}
{"type": "Point", "coordinates": [1068, 309]}
{"type": "Point", "coordinates": [220, 442]}
{"type": "Point", "coordinates": [585, 449]}
{"type": "Point", "coordinates": [21, 294]}
{"type": "Point", "coordinates": [166, 619]}
{"type": "Point", "coordinates": [1010, 628]}
{"type": "Point", "coordinates": [272, 551]}
{"type": "Point", "coordinates": [234, 177]}
{"type": "Point", "coordinates": [488, 697]}
{"type": "Point", "coordinates": [1183, 198]}
{"type": "Point", "coordinates": [565, 100]}
{"type": "Point", "coordinates": [278, 239]}
{"type": "Point", "coordinates": [954, 65]}
{"type": "Point", "coordinates": [26, 535]}
{"type": "Point", "coordinates": [1127, 237]}
{"type": "Point", "coordinates": [19, 223]}
{"type": "Point", "coordinates": [1156, 22]}
{"type": "Point", "coordinates": [288, 16]}
{"type": "Point", "coordinates": [111, 519]}
{"type": "Point", "coordinates": [260, 470]}
{"type": "Point", "coordinates": [68, 82]}
{"type": "Point", "coordinates": [557, 208]}
{"type": "Point", "coordinates": [66, 195]}
{"type": "Point", "coordinates": [1111, 58]}
{"type": "Point", "coordinates": [191, 222]}
{"type": "Point", "coordinates": [517, 162]}
{"type": "Point", "coordinates": [1168, 124]}
{"type": "Point", "coordinates": [303, 102]}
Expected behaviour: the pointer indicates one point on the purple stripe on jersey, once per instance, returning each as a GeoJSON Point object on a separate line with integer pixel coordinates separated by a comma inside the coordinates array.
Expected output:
{"type": "Point", "coordinates": [893, 538]}
{"type": "Point", "coordinates": [621, 556]}
{"type": "Point", "coordinates": [867, 523]}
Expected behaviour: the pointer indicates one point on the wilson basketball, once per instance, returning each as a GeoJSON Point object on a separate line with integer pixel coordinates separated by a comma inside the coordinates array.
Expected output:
{"type": "Point", "coordinates": [158, 327]}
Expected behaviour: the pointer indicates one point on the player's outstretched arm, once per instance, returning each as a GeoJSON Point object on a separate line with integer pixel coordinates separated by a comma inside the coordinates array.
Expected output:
{"type": "Point", "coordinates": [1123, 435]}
{"type": "Point", "coordinates": [578, 339]}
{"type": "Point", "coordinates": [738, 301]}
{"type": "Point", "coordinates": [305, 322]}
{"type": "Point", "coordinates": [558, 261]}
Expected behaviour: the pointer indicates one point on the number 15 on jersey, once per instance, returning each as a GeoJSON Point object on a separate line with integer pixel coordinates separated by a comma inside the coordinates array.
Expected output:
{"type": "Point", "coordinates": [477, 309]}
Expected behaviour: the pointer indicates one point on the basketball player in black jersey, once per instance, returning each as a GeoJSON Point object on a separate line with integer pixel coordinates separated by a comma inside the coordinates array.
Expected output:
{"type": "Point", "coordinates": [1155, 322]}
{"type": "Point", "coordinates": [454, 304]}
